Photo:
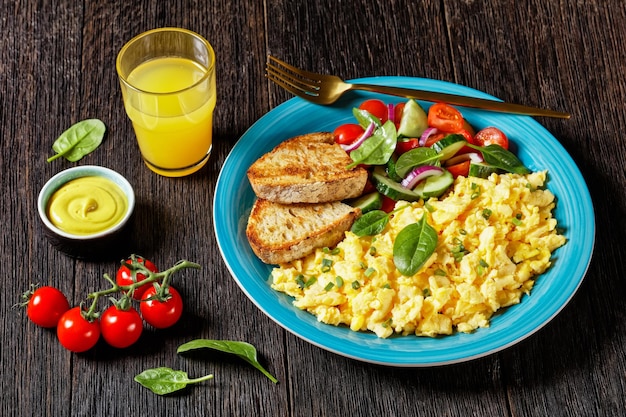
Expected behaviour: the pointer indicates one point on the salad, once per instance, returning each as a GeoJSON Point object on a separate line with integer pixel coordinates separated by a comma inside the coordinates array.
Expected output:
{"type": "Point", "coordinates": [414, 154]}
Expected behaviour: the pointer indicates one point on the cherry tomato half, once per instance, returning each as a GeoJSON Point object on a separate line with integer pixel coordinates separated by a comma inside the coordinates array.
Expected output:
{"type": "Point", "coordinates": [46, 305]}
{"type": "Point", "coordinates": [75, 332]}
{"type": "Point", "coordinates": [125, 276]}
{"type": "Point", "coordinates": [347, 133]}
{"type": "Point", "coordinates": [445, 118]}
{"type": "Point", "coordinates": [459, 170]}
{"type": "Point", "coordinates": [398, 110]}
{"type": "Point", "coordinates": [388, 204]}
{"type": "Point", "coordinates": [490, 136]}
{"type": "Point", "coordinates": [376, 108]}
{"type": "Point", "coordinates": [161, 314]}
{"type": "Point", "coordinates": [406, 145]}
{"type": "Point", "coordinates": [436, 137]}
{"type": "Point", "coordinates": [121, 328]}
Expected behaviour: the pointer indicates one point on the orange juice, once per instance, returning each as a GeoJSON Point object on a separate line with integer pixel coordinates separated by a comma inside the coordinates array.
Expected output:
{"type": "Point", "coordinates": [171, 108]}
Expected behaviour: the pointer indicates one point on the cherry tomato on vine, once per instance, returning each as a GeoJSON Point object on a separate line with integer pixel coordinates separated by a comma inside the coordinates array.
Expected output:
{"type": "Point", "coordinates": [121, 328]}
{"type": "Point", "coordinates": [445, 118]}
{"type": "Point", "coordinates": [45, 306]}
{"type": "Point", "coordinates": [347, 133]}
{"type": "Point", "coordinates": [491, 136]}
{"type": "Point", "coordinates": [376, 108]}
{"type": "Point", "coordinates": [161, 314]}
{"type": "Point", "coordinates": [75, 332]}
{"type": "Point", "coordinates": [124, 276]}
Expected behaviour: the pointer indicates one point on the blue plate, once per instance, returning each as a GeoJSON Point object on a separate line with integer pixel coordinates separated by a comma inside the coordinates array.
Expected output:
{"type": "Point", "coordinates": [533, 144]}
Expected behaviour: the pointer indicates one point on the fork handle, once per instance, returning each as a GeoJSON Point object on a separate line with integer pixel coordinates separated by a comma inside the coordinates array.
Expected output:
{"type": "Point", "coordinates": [457, 100]}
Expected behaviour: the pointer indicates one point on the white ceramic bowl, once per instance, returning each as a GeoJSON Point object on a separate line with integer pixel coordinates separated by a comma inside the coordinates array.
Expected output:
{"type": "Point", "coordinates": [107, 244]}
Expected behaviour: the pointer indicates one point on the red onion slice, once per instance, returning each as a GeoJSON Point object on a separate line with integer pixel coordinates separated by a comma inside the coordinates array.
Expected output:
{"type": "Point", "coordinates": [457, 159]}
{"type": "Point", "coordinates": [391, 115]}
{"type": "Point", "coordinates": [427, 133]}
{"type": "Point", "coordinates": [419, 174]}
{"type": "Point", "coordinates": [354, 145]}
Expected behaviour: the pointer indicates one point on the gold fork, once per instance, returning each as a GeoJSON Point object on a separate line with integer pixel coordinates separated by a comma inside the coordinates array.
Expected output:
{"type": "Point", "coordinates": [326, 89]}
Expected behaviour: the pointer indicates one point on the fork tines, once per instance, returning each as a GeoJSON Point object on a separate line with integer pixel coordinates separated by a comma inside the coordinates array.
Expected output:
{"type": "Point", "coordinates": [292, 79]}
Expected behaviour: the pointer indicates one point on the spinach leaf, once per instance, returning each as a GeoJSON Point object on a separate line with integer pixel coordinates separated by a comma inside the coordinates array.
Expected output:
{"type": "Point", "coordinates": [499, 157]}
{"type": "Point", "coordinates": [414, 158]}
{"type": "Point", "coordinates": [163, 380]}
{"type": "Point", "coordinates": [244, 350]}
{"type": "Point", "coordinates": [364, 118]}
{"type": "Point", "coordinates": [413, 246]}
{"type": "Point", "coordinates": [377, 149]}
{"type": "Point", "coordinates": [370, 224]}
{"type": "Point", "coordinates": [79, 140]}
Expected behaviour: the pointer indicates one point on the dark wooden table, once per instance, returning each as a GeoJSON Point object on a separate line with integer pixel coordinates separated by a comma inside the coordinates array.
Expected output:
{"type": "Point", "coordinates": [57, 66]}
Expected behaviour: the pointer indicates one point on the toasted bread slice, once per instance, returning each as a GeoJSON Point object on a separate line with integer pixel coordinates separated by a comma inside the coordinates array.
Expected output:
{"type": "Point", "coordinates": [280, 233]}
{"type": "Point", "coordinates": [306, 169]}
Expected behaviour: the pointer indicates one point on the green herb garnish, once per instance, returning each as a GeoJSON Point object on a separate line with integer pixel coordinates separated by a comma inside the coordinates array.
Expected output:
{"type": "Point", "coordinates": [79, 140]}
{"type": "Point", "coordinates": [164, 380]}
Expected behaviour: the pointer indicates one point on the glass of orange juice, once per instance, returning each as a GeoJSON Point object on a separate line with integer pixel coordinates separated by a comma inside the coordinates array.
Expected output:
{"type": "Point", "coordinates": [167, 77]}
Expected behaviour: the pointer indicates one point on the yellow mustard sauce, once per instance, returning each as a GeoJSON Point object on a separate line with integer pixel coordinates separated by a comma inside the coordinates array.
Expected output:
{"type": "Point", "coordinates": [87, 205]}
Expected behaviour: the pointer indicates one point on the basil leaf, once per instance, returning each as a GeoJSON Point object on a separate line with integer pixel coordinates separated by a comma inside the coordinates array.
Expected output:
{"type": "Point", "coordinates": [163, 380]}
{"type": "Point", "coordinates": [79, 140]}
{"type": "Point", "coordinates": [413, 246]}
{"type": "Point", "coordinates": [499, 157]}
{"type": "Point", "coordinates": [244, 350]}
{"type": "Point", "coordinates": [365, 118]}
{"type": "Point", "coordinates": [414, 158]}
{"type": "Point", "coordinates": [370, 224]}
{"type": "Point", "coordinates": [377, 149]}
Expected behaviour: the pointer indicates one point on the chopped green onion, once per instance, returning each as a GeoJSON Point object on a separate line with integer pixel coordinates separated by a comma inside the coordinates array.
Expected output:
{"type": "Point", "coordinates": [373, 250]}
{"type": "Point", "coordinates": [339, 281]}
{"type": "Point", "coordinates": [387, 286]}
{"type": "Point", "coordinates": [356, 285]}
{"type": "Point", "coordinates": [426, 292]}
{"type": "Point", "coordinates": [483, 263]}
{"type": "Point", "coordinates": [329, 286]}
{"type": "Point", "coordinates": [300, 281]}
{"type": "Point", "coordinates": [310, 282]}
{"type": "Point", "coordinates": [487, 213]}
{"type": "Point", "coordinates": [476, 190]}
{"type": "Point", "coordinates": [326, 264]}
{"type": "Point", "coordinates": [440, 272]}
{"type": "Point", "coordinates": [363, 266]}
{"type": "Point", "coordinates": [333, 251]}
{"type": "Point", "coordinates": [516, 221]}
{"type": "Point", "coordinates": [369, 272]}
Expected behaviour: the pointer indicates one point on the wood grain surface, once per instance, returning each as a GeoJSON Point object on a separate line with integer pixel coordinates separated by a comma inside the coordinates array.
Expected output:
{"type": "Point", "coordinates": [57, 66]}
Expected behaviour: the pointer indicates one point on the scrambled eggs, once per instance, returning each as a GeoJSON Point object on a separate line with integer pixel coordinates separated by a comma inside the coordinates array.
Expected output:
{"type": "Point", "coordinates": [495, 236]}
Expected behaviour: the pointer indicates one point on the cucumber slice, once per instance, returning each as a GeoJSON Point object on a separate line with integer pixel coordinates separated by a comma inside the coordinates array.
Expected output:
{"type": "Point", "coordinates": [435, 186]}
{"type": "Point", "coordinates": [388, 187]}
{"type": "Point", "coordinates": [390, 168]}
{"type": "Point", "coordinates": [414, 120]}
{"type": "Point", "coordinates": [481, 170]}
{"type": "Point", "coordinates": [449, 146]}
{"type": "Point", "coordinates": [368, 202]}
